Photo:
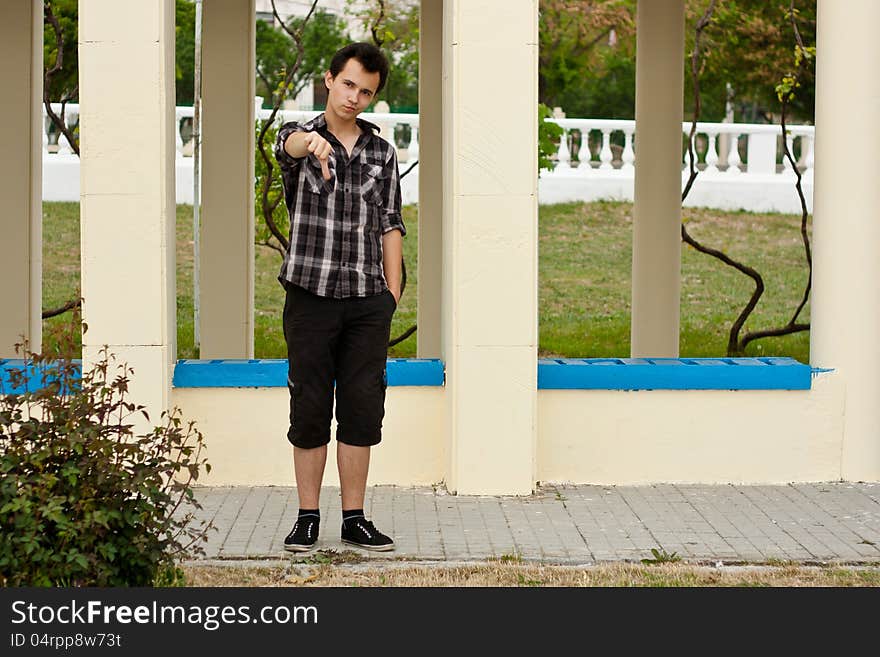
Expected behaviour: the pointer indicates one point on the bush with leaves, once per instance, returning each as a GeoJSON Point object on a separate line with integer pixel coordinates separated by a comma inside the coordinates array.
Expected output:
{"type": "Point", "coordinates": [84, 501]}
{"type": "Point", "coordinates": [549, 135]}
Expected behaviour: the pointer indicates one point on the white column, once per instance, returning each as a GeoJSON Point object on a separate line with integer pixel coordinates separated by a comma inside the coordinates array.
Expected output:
{"type": "Point", "coordinates": [21, 268]}
{"type": "Point", "coordinates": [430, 262]}
{"type": "Point", "coordinates": [490, 271]}
{"type": "Point", "coordinates": [733, 159]}
{"type": "Point", "coordinates": [845, 301]}
{"type": "Point", "coordinates": [226, 265]}
{"type": "Point", "coordinates": [656, 257]}
{"type": "Point", "coordinates": [127, 189]}
{"type": "Point", "coordinates": [563, 154]}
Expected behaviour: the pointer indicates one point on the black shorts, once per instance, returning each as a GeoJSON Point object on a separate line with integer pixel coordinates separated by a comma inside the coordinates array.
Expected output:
{"type": "Point", "coordinates": [341, 340]}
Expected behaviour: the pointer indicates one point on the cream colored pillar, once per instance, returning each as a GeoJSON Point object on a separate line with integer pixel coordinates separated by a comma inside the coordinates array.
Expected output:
{"type": "Point", "coordinates": [845, 311]}
{"type": "Point", "coordinates": [656, 254]}
{"type": "Point", "coordinates": [226, 265]}
{"type": "Point", "coordinates": [21, 265]}
{"type": "Point", "coordinates": [430, 265]}
{"type": "Point", "coordinates": [490, 273]}
{"type": "Point", "coordinates": [126, 73]}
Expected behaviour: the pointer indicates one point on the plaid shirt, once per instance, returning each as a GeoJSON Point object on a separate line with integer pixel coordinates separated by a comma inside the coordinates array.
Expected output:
{"type": "Point", "coordinates": [336, 225]}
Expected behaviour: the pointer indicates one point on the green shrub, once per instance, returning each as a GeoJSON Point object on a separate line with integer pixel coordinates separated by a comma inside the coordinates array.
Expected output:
{"type": "Point", "coordinates": [549, 135]}
{"type": "Point", "coordinates": [84, 501]}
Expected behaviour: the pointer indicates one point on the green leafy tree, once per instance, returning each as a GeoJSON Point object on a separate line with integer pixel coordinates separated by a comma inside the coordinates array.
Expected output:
{"type": "Point", "coordinates": [401, 44]}
{"type": "Point", "coordinates": [63, 84]}
{"type": "Point", "coordinates": [322, 36]}
{"type": "Point", "coordinates": [586, 57]}
{"type": "Point", "coordinates": [394, 27]}
{"type": "Point", "coordinates": [548, 138]}
{"type": "Point", "coordinates": [790, 82]}
{"type": "Point", "coordinates": [749, 45]}
{"type": "Point", "coordinates": [185, 46]}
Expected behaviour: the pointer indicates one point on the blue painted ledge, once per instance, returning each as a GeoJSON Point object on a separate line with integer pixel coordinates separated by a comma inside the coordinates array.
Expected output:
{"type": "Point", "coordinates": [273, 373]}
{"type": "Point", "coordinates": [34, 376]}
{"type": "Point", "coordinates": [673, 374]}
{"type": "Point", "coordinates": [553, 374]}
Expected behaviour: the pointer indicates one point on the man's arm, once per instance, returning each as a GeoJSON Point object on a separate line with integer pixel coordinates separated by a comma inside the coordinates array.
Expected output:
{"type": "Point", "coordinates": [392, 257]}
{"type": "Point", "coordinates": [300, 144]}
{"type": "Point", "coordinates": [393, 229]}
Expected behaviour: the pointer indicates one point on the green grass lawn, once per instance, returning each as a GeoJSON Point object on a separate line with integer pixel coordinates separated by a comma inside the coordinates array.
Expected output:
{"type": "Point", "coordinates": [584, 269]}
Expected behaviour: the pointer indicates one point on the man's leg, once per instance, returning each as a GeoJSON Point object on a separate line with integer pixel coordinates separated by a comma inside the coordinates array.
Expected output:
{"type": "Point", "coordinates": [354, 464]}
{"type": "Point", "coordinates": [311, 329]}
{"type": "Point", "coordinates": [308, 467]}
{"type": "Point", "coordinates": [360, 408]}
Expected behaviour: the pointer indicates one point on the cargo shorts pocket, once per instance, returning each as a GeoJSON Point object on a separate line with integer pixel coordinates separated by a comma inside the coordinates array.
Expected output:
{"type": "Point", "coordinates": [295, 390]}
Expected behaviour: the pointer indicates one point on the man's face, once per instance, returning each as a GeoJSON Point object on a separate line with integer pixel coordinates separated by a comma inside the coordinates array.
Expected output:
{"type": "Point", "coordinates": [351, 91]}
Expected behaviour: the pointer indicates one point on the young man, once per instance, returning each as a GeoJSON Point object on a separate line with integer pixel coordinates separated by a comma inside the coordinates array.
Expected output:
{"type": "Point", "coordinates": [342, 276]}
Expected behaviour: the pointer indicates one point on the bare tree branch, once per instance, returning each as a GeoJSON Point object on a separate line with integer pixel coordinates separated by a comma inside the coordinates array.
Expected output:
{"type": "Point", "coordinates": [403, 336]}
{"type": "Point", "coordinates": [774, 333]}
{"type": "Point", "coordinates": [268, 207]}
{"type": "Point", "coordinates": [58, 121]}
{"type": "Point", "coordinates": [733, 336]}
{"type": "Point", "coordinates": [735, 344]}
{"type": "Point", "coordinates": [793, 326]}
{"type": "Point", "coordinates": [409, 168]}
{"type": "Point", "coordinates": [374, 28]}
{"type": "Point", "coordinates": [272, 246]}
{"type": "Point", "coordinates": [70, 305]}
{"type": "Point", "coordinates": [695, 76]}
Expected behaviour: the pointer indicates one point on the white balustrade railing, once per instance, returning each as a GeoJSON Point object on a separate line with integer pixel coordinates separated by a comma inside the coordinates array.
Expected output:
{"type": "Point", "coordinates": [741, 165]}
{"type": "Point", "coordinates": [762, 152]}
{"type": "Point", "coordinates": [593, 147]}
{"type": "Point", "coordinates": [408, 148]}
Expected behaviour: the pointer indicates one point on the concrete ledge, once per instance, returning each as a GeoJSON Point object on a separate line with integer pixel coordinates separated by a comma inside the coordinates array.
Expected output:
{"type": "Point", "coordinates": [272, 373]}
{"type": "Point", "coordinates": [553, 374]}
{"type": "Point", "coordinates": [34, 376]}
{"type": "Point", "coordinates": [673, 374]}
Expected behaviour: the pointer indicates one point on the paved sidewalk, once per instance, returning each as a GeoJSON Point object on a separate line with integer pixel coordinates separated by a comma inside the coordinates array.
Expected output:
{"type": "Point", "coordinates": [824, 522]}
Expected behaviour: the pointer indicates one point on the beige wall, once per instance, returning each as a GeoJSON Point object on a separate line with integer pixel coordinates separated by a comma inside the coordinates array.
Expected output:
{"type": "Point", "coordinates": [490, 263]}
{"type": "Point", "coordinates": [127, 188]}
{"type": "Point", "coordinates": [21, 264]}
{"type": "Point", "coordinates": [584, 436]}
{"type": "Point", "coordinates": [226, 263]}
{"type": "Point", "coordinates": [845, 304]}
{"type": "Point", "coordinates": [246, 433]}
{"type": "Point", "coordinates": [694, 436]}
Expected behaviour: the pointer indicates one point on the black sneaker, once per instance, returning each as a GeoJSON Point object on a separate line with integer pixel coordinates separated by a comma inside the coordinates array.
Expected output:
{"type": "Point", "coordinates": [304, 534]}
{"type": "Point", "coordinates": [362, 533]}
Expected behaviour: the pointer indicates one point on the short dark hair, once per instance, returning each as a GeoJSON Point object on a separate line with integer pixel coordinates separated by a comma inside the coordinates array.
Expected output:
{"type": "Point", "coordinates": [370, 57]}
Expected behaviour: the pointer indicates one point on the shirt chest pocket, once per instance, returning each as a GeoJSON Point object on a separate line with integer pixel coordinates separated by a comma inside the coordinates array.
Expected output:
{"type": "Point", "coordinates": [372, 182]}
{"type": "Point", "coordinates": [314, 178]}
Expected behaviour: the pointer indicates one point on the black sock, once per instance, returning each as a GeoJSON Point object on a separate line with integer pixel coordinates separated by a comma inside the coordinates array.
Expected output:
{"type": "Point", "coordinates": [309, 512]}
{"type": "Point", "coordinates": [353, 513]}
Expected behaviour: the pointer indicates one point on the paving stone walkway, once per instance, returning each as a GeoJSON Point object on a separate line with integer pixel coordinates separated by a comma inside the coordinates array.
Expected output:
{"type": "Point", "coordinates": [808, 523]}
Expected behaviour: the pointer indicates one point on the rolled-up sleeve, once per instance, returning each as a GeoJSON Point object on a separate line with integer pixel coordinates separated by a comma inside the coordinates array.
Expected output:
{"type": "Point", "coordinates": [284, 159]}
{"type": "Point", "coordinates": [391, 196]}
